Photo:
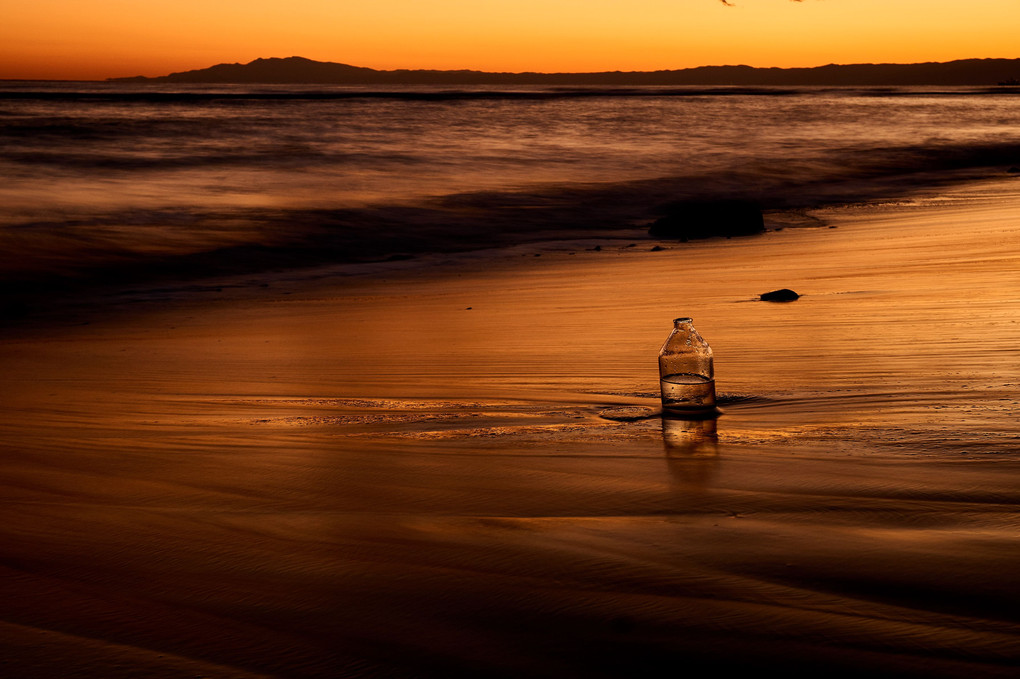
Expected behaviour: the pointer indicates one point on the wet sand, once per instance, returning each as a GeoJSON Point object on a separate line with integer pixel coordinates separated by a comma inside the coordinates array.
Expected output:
{"type": "Point", "coordinates": [444, 467]}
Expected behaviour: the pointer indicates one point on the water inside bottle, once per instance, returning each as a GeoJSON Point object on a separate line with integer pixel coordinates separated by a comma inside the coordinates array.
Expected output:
{"type": "Point", "coordinates": [687, 392]}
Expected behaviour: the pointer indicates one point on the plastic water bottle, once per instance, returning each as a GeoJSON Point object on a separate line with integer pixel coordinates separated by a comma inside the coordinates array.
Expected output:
{"type": "Point", "coordinates": [686, 374]}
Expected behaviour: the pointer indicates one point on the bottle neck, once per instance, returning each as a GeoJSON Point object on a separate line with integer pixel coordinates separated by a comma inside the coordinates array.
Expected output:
{"type": "Point", "coordinates": [684, 323]}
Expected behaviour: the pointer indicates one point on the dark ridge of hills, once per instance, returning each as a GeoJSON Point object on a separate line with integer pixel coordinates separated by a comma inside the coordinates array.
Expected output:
{"type": "Point", "coordinates": [298, 70]}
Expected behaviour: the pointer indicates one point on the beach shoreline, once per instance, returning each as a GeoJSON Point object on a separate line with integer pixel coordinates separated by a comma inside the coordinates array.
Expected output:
{"type": "Point", "coordinates": [420, 467]}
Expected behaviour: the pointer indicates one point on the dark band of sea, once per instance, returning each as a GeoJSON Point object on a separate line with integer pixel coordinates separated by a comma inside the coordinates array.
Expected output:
{"type": "Point", "coordinates": [127, 182]}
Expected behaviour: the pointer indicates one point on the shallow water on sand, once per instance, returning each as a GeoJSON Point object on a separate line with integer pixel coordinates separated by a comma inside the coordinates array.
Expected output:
{"type": "Point", "coordinates": [457, 470]}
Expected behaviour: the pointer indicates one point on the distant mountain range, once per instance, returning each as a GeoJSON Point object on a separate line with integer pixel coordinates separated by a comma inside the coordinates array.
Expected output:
{"type": "Point", "coordinates": [298, 70]}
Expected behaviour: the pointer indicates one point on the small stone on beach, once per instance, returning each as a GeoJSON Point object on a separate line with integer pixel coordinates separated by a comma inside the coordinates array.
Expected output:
{"type": "Point", "coordinates": [782, 295]}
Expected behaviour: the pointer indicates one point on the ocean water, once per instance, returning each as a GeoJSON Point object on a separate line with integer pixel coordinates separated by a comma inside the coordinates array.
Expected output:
{"type": "Point", "coordinates": [126, 180]}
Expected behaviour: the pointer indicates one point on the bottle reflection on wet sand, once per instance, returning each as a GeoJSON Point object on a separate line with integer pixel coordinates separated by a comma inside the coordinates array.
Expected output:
{"type": "Point", "coordinates": [690, 438]}
{"type": "Point", "coordinates": [692, 449]}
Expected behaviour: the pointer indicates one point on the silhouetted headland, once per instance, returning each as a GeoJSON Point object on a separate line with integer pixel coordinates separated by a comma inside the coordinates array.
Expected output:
{"type": "Point", "coordinates": [296, 70]}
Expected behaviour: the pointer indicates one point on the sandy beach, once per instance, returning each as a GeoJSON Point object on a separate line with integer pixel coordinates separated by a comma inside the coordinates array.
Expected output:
{"type": "Point", "coordinates": [452, 465]}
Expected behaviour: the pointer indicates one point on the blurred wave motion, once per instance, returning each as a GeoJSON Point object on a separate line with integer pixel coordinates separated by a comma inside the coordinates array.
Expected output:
{"type": "Point", "coordinates": [100, 176]}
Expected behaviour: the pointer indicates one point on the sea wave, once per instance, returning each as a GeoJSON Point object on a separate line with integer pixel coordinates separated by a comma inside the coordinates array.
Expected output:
{"type": "Point", "coordinates": [191, 242]}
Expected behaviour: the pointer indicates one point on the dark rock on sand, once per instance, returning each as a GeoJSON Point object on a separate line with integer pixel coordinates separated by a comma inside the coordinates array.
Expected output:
{"type": "Point", "coordinates": [691, 220]}
{"type": "Point", "coordinates": [783, 295]}
{"type": "Point", "coordinates": [13, 309]}
{"type": "Point", "coordinates": [657, 248]}
{"type": "Point", "coordinates": [1014, 170]}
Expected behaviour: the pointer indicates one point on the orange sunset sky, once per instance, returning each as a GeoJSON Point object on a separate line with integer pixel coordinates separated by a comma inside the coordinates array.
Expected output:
{"type": "Point", "coordinates": [96, 39]}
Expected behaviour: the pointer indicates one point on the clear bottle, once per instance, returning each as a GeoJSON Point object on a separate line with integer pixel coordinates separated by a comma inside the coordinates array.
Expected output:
{"type": "Point", "coordinates": [686, 375]}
